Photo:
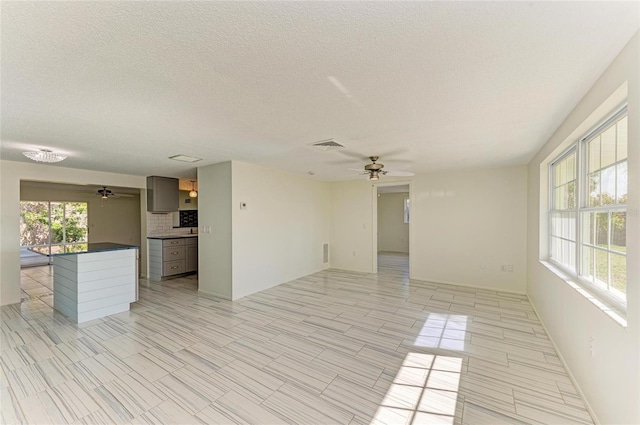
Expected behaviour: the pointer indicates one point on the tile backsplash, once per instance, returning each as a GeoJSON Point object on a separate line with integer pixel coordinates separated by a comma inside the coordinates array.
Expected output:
{"type": "Point", "coordinates": [162, 224]}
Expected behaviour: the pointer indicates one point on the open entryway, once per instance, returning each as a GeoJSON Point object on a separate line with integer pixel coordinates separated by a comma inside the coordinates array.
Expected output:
{"type": "Point", "coordinates": [393, 224]}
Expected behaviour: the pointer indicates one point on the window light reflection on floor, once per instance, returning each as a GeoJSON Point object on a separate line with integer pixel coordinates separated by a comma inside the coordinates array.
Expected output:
{"type": "Point", "coordinates": [424, 391]}
{"type": "Point", "coordinates": [446, 331]}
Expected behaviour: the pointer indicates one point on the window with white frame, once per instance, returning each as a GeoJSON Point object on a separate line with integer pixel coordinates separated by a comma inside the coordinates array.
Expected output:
{"type": "Point", "coordinates": [587, 215]}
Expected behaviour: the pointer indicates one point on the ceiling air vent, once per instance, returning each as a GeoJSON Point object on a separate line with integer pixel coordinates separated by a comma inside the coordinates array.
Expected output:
{"type": "Point", "coordinates": [327, 145]}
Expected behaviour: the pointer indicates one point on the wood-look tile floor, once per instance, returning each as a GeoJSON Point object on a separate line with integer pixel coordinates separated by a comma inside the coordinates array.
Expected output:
{"type": "Point", "coordinates": [334, 347]}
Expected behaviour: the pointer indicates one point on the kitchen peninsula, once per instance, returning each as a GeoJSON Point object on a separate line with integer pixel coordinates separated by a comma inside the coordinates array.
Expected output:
{"type": "Point", "coordinates": [94, 280]}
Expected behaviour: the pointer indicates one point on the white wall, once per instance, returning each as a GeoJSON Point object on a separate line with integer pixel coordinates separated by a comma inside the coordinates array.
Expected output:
{"type": "Point", "coordinates": [610, 380]}
{"type": "Point", "coordinates": [466, 224]}
{"type": "Point", "coordinates": [114, 220]}
{"type": "Point", "coordinates": [215, 247]}
{"type": "Point", "coordinates": [393, 232]}
{"type": "Point", "coordinates": [183, 195]}
{"type": "Point", "coordinates": [279, 236]}
{"type": "Point", "coordinates": [10, 175]}
{"type": "Point", "coordinates": [352, 222]}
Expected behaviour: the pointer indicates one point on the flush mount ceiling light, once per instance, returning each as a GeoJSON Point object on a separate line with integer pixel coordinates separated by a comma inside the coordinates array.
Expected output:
{"type": "Point", "coordinates": [193, 193]}
{"type": "Point", "coordinates": [45, 155]}
{"type": "Point", "coordinates": [185, 158]}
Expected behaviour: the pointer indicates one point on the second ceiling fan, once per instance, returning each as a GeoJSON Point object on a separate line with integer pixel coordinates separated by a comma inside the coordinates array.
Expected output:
{"type": "Point", "coordinates": [107, 193]}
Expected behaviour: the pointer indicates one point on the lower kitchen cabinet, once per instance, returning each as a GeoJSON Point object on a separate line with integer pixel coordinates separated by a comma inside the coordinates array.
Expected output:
{"type": "Point", "coordinates": [191, 259]}
{"type": "Point", "coordinates": [174, 256]}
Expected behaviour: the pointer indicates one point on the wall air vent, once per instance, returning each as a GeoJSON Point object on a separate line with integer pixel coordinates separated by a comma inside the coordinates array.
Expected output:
{"type": "Point", "coordinates": [327, 145]}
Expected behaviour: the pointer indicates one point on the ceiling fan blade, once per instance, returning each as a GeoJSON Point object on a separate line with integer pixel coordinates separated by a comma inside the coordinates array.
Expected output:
{"type": "Point", "coordinates": [123, 195]}
{"type": "Point", "coordinates": [356, 169]}
{"type": "Point", "coordinates": [354, 155]}
{"type": "Point", "coordinates": [400, 173]}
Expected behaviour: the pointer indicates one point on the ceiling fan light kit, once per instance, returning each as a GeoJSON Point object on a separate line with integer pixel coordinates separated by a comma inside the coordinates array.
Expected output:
{"type": "Point", "coordinates": [104, 192]}
{"type": "Point", "coordinates": [45, 155]}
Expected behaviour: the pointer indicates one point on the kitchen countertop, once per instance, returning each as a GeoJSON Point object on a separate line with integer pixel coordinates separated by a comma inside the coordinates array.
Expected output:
{"type": "Point", "coordinates": [188, 235]}
{"type": "Point", "coordinates": [83, 248]}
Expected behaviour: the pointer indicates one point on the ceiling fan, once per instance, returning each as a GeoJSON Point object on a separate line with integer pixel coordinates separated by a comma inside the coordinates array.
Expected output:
{"type": "Point", "coordinates": [375, 170]}
{"type": "Point", "coordinates": [106, 193]}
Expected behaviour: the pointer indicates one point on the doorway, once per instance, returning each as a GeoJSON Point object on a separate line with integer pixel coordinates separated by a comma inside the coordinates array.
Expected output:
{"type": "Point", "coordinates": [393, 229]}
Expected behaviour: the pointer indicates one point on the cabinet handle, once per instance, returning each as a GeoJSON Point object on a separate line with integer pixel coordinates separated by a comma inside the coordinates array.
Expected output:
{"type": "Point", "coordinates": [175, 253]}
{"type": "Point", "coordinates": [174, 267]}
{"type": "Point", "coordinates": [174, 242]}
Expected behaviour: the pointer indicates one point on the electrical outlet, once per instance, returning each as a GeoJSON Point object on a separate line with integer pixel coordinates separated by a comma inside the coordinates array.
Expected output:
{"type": "Point", "coordinates": [510, 268]}
{"type": "Point", "coordinates": [592, 343]}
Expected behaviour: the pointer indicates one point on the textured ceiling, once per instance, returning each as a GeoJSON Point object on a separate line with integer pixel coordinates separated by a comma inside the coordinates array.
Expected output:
{"type": "Point", "coordinates": [121, 86]}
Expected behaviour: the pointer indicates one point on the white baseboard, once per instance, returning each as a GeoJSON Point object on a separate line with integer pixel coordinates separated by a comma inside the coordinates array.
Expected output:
{"type": "Point", "coordinates": [566, 366]}
{"type": "Point", "coordinates": [469, 286]}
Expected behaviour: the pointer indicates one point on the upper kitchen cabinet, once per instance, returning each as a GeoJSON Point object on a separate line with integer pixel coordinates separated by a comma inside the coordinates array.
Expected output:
{"type": "Point", "coordinates": [162, 194]}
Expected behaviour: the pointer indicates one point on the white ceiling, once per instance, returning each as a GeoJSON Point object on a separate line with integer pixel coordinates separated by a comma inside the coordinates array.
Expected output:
{"type": "Point", "coordinates": [121, 86]}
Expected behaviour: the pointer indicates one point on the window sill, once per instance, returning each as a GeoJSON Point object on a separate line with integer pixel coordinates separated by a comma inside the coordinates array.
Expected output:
{"type": "Point", "coordinates": [604, 305]}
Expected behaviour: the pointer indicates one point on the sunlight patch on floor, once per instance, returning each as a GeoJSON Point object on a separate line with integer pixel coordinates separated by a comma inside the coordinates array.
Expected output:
{"type": "Point", "coordinates": [446, 331]}
{"type": "Point", "coordinates": [424, 391]}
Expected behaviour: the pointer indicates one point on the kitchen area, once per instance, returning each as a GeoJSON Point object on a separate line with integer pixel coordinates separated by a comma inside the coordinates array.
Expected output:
{"type": "Point", "coordinates": [172, 227]}
{"type": "Point", "coordinates": [99, 274]}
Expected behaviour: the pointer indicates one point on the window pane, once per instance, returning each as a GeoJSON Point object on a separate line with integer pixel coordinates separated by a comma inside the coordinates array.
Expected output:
{"type": "Point", "coordinates": [565, 252]}
{"type": "Point", "coordinates": [593, 155]}
{"type": "Point", "coordinates": [561, 174]}
{"type": "Point", "coordinates": [594, 189]}
{"type": "Point", "coordinates": [571, 189]}
{"type": "Point", "coordinates": [622, 183]}
{"type": "Point", "coordinates": [619, 272]}
{"type": "Point", "coordinates": [619, 231]}
{"type": "Point", "coordinates": [555, 224]}
{"type": "Point", "coordinates": [570, 225]}
{"type": "Point", "coordinates": [57, 220]}
{"type": "Point", "coordinates": [587, 263]}
{"type": "Point", "coordinates": [602, 229]}
{"type": "Point", "coordinates": [570, 253]}
{"type": "Point", "coordinates": [562, 198]}
{"type": "Point", "coordinates": [602, 266]}
{"type": "Point", "coordinates": [622, 139]}
{"type": "Point", "coordinates": [554, 249]}
{"type": "Point", "coordinates": [34, 223]}
{"type": "Point", "coordinates": [588, 228]}
{"type": "Point", "coordinates": [572, 256]}
{"type": "Point", "coordinates": [608, 186]}
{"type": "Point", "coordinates": [571, 167]}
{"type": "Point", "coordinates": [608, 147]}
{"type": "Point", "coordinates": [76, 222]}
